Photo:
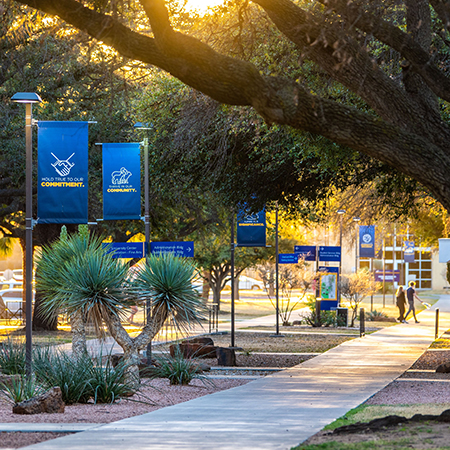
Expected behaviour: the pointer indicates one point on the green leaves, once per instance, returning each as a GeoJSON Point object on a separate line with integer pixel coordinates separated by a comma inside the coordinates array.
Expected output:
{"type": "Point", "coordinates": [167, 281]}
{"type": "Point", "coordinates": [77, 273]}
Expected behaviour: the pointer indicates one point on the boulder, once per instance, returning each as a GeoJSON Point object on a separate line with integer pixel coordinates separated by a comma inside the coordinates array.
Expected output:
{"type": "Point", "coordinates": [193, 350]}
{"type": "Point", "coordinates": [199, 340]}
{"type": "Point", "coordinates": [443, 368]}
{"type": "Point", "coordinates": [49, 402]}
{"type": "Point", "coordinates": [226, 357]}
{"type": "Point", "coordinates": [145, 371]}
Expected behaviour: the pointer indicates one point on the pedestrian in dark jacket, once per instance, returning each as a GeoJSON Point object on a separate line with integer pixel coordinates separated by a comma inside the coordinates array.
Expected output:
{"type": "Point", "coordinates": [411, 295]}
{"type": "Point", "coordinates": [401, 304]}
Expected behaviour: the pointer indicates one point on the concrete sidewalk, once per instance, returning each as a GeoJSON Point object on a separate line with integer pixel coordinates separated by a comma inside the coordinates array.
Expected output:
{"type": "Point", "coordinates": [280, 410]}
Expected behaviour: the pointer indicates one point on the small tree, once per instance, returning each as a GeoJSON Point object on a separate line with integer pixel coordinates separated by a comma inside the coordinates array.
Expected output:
{"type": "Point", "coordinates": [91, 286]}
{"type": "Point", "coordinates": [355, 288]}
{"type": "Point", "coordinates": [290, 277]}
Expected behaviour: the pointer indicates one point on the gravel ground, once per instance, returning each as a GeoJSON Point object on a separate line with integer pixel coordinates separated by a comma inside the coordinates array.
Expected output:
{"type": "Point", "coordinates": [159, 393]}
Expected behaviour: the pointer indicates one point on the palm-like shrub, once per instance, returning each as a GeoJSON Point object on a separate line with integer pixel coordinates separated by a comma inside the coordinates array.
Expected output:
{"type": "Point", "coordinates": [79, 276]}
{"type": "Point", "coordinates": [76, 275]}
{"type": "Point", "coordinates": [166, 281]}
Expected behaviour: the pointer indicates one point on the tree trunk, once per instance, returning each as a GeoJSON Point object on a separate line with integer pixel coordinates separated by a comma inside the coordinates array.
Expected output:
{"type": "Point", "coordinates": [78, 328]}
{"type": "Point", "coordinates": [130, 352]}
{"type": "Point", "coordinates": [39, 322]}
{"type": "Point", "coordinates": [236, 288]}
{"type": "Point", "coordinates": [205, 287]}
{"type": "Point", "coordinates": [216, 295]}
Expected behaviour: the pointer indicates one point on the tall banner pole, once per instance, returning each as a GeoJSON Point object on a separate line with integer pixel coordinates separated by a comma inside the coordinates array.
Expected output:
{"type": "Point", "coordinates": [393, 263]}
{"type": "Point", "coordinates": [232, 249]}
{"type": "Point", "coordinates": [28, 239]}
{"type": "Point", "coordinates": [277, 286]}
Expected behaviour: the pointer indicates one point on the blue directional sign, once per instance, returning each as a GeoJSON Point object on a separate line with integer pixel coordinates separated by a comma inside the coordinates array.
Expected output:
{"type": "Point", "coordinates": [181, 249]}
{"type": "Point", "coordinates": [330, 254]}
{"type": "Point", "coordinates": [308, 252]}
{"type": "Point", "coordinates": [126, 249]}
{"type": "Point", "coordinates": [288, 258]}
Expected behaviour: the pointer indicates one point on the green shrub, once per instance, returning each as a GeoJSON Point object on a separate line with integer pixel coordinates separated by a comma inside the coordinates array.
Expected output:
{"type": "Point", "coordinates": [12, 357]}
{"type": "Point", "coordinates": [327, 318]}
{"type": "Point", "coordinates": [107, 383]}
{"type": "Point", "coordinates": [57, 368]}
{"type": "Point", "coordinates": [177, 369]}
{"type": "Point", "coordinates": [375, 315]}
{"type": "Point", "coordinates": [19, 389]}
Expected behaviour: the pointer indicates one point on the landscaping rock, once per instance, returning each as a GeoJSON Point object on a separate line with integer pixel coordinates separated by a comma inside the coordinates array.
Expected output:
{"type": "Point", "coordinates": [145, 371]}
{"type": "Point", "coordinates": [443, 368]}
{"type": "Point", "coordinates": [199, 340]}
{"type": "Point", "coordinates": [226, 357]}
{"type": "Point", "coordinates": [49, 402]}
{"type": "Point", "coordinates": [193, 350]}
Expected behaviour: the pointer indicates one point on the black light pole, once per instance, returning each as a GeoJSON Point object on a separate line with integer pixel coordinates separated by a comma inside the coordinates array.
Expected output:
{"type": "Point", "coordinates": [277, 283]}
{"type": "Point", "coordinates": [356, 220]}
{"type": "Point", "coordinates": [232, 249]}
{"type": "Point", "coordinates": [341, 213]}
{"type": "Point", "coordinates": [28, 98]}
{"type": "Point", "coordinates": [140, 126]}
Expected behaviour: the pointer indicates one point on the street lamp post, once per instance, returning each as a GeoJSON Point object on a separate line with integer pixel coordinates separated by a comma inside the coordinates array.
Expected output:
{"type": "Point", "coordinates": [356, 220]}
{"type": "Point", "coordinates": [141, 126]}
{"type": "Point", "coordinates": [341, 213]}
{"type": "Point", "coordinates": [28, 98]}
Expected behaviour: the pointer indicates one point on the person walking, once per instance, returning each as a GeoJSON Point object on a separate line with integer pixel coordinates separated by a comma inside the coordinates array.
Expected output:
{"type": "Point", "coordinates": [401, 304]}
{"type": "Point", "coordinates": [411, 295]}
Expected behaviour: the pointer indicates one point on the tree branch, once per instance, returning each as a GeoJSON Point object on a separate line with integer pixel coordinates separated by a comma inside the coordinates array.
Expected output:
{"type": "Point", "coordinates": [400, 41]}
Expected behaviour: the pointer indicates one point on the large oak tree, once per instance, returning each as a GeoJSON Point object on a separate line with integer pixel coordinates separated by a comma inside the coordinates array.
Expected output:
{"type": "Point", "coordinates": [401, 121]}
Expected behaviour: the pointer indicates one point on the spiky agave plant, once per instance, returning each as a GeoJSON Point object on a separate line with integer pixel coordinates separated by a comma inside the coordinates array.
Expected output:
{"type": "Point", "coordinates": [166, 280]}
{"type": "Point", "coordinates": [78, 276]}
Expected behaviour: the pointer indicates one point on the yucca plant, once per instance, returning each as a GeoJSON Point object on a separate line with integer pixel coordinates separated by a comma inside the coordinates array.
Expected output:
{"type": "Point", "coordinates": [74, 274]}
{"type": "Point", "coordinates": [166, 281]}
{"type": "Point", "coordinates": [12, 357]}
{"type": "Point", "coordinates": [20, 389]}
{"type": "Point", "coordinates": [72, 375]}
{"type": "Point", "coordinates": [91, 285]}
{"type": "Point", "coordinates": [108, 383]}
{"type": "Point", "coordinates": [177, 369]}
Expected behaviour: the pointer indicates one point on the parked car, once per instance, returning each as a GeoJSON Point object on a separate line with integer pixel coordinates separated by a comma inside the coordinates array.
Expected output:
{"type": "Point", "coordinates": [248, 283]}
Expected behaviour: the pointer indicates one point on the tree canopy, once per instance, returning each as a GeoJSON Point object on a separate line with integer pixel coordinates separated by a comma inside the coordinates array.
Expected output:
{"type": "Point", "coordinates": [392, 56]}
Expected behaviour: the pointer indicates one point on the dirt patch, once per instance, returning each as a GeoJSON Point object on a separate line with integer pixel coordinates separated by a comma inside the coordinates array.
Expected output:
{"type": "Point", "coordinates": [425, 393]}
{"type": "Point", "coordinates": [411, 435]}
{"type": "Point", "coordinates": [289, 343]}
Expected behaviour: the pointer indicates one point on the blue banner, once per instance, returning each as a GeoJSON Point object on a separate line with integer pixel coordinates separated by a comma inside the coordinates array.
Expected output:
{"type": "Point", "coordinates": [62, 172]}
{"type": "Point", "coordinates": [408, 251]}
{"type": "Point", "coordinates": [308, 252]}
{"type": "Point", "coordinates": [330, 254]}
{"type": "Point", "coordinates": [121, 181]}
{"type": "Point", "coordinates": [367, 241]}
{"type": "Point", "coordinates": [251, 229]}
{"type": "Point", "coordinates": [126, 249]}
{"type": "Point", "coordinates": [182, 249]}
{"type": "Point", "coordinates": [287, 258]}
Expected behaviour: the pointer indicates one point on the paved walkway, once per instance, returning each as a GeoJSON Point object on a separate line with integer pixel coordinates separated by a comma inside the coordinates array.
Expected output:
{"type": "Point", "coordinates": [278, 411]}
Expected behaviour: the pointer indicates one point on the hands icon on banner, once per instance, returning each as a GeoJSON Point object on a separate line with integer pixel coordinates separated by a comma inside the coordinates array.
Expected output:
{"type": "Point", "coordinates": [63, 166]}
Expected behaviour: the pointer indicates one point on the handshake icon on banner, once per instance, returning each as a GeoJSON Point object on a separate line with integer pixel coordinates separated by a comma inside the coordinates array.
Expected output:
{"type": "Point", "coordinates": [63, 166]}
